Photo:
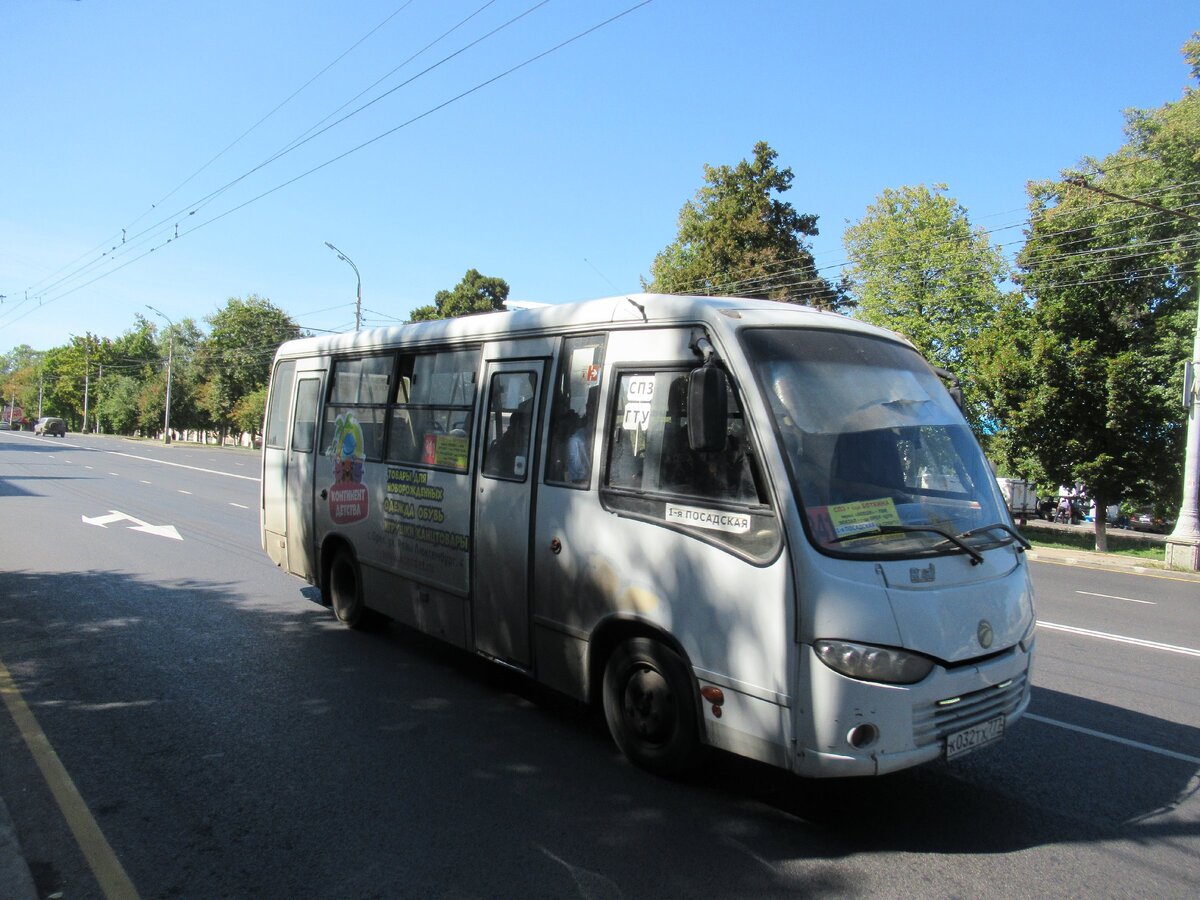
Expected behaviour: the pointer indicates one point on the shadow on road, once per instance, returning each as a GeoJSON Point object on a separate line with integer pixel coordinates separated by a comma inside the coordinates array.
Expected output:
{"type": "Point", "coordinates": [274, 753]}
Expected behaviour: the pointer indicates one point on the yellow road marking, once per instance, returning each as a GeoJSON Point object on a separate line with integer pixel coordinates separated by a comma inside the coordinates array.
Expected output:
{"type": "Point", "coordinates": [96, 850]}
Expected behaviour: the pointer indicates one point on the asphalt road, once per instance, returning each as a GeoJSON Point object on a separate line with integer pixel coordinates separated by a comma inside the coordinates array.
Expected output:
{"type": "Point", "coordinates": [228, 739]}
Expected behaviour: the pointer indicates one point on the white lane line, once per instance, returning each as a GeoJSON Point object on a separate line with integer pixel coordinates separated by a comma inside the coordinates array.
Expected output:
{"type": "Point", "coordinates": [1104, 636]}
{"type": "Point", "coordinates": [189, 493]}
{"type": "Point", "coordinates": [164, 462]}
{"type": "Point", "coordinates": [180, 465]}
{"type": "Point", "coordinates": [114, 474]}
{"type": "Point", "coordinates": [144, 481]}
{"type": "Point", "coordinates": [1112, 597]}
{"type": "Point", "coordinates": [239, 506]}
{"type": "Point", "coordinates": [1116, 740]}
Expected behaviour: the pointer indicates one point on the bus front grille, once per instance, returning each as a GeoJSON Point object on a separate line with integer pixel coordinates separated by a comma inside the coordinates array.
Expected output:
{"type": "Point", "coordinates": [934, 722]}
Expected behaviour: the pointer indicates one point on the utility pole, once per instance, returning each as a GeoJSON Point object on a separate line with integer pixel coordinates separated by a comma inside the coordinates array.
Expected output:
{"type": "Point", "coordinates": [358, 305]}
{"type": "Point", "coordinates": [87, 371]}
{"type": "Point", "coordinates": [1183, 544]}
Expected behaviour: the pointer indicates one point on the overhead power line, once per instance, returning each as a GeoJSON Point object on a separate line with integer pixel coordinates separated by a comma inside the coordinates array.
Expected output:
{"type": "Point", "coordinates": [111, 240]}
{"type": "Point", "coordinates": [434, 109]}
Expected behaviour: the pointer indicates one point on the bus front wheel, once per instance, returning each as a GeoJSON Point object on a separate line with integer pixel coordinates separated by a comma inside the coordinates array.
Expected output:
{"type": "Point", "coordinates": [649, 707]}
{"type": "Point", "coordinates": [345, 591]}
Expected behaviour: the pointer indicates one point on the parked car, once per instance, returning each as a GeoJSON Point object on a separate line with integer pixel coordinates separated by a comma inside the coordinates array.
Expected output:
{"type": "Point", "coordinates": [50, 425]}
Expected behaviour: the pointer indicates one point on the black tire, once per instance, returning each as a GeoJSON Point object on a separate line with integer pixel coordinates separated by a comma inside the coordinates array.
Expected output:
{"type": "Point", "coordinates": [651, 709]}
{"type": "Point", "coordinates": [345, 591]}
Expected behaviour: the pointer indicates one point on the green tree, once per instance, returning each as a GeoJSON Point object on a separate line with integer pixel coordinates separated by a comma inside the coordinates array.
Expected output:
{"type": "Point", "coordinates": [737, 237]}
{"type": "Point", "coordinates": [20, 378]}
{"type": "Point", "coordinates": [250, 411]}
{"type": "Point", "coordinates": [130, 361]}
{"type": "Point", "coordinates": [18, 358]}
{"type": "Point", "coordinates": [1094, 384]}
{"type": "Point", "coordinates": [236, 356]}
{"type": "Point", "coordinates": [181, 343]}
{"type": "Point", "coordinates": [119, 406]}
{"type": "Point", "coordinates": [71, 379]}
{"type": "Point", "coordinates": [919, 268]}
{"type": "Point", "coordinates": [476, 293]}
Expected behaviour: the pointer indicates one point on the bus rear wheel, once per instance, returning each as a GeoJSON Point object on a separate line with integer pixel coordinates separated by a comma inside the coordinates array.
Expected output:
{"type": "Point", "coordinates": [345, 591]}
{"type": "Point", "coordinates": [650, 708]}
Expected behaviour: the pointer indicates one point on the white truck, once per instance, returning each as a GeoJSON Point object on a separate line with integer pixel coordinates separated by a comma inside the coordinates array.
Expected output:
{"type": "Point", "coordinates": [1020, 497]}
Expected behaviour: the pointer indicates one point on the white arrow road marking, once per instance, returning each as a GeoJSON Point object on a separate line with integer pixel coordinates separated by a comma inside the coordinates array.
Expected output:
{"type": "Point", "coordinates": [167, 531]}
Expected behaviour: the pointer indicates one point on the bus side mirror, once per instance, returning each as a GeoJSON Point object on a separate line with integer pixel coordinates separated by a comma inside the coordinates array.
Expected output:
{"type": "Point", "coordinates": [707, 409]}
{"type": "Point", "coordinates": [953, 386]}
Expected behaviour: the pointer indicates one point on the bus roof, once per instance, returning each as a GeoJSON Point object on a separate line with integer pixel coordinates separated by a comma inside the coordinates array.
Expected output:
{"type": "Point", "coordinates": [627, 309]}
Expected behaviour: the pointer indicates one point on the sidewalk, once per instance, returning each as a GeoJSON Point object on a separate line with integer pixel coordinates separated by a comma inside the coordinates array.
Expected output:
{"type": "Point", "coordinates": [1109, 561]}
{"type": "Point", "coordinates": [15, 881]}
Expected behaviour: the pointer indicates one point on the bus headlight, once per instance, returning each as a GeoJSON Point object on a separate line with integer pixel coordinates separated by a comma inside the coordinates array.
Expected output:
{"type": "Point", "coordinates": [869, 663]}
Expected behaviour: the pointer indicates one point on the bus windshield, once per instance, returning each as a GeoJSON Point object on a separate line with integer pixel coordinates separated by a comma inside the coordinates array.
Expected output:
{"type": "Point", "coordinates": [882, 460]}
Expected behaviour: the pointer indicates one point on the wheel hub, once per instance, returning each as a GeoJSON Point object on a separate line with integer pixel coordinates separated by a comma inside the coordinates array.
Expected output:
{"type": "Point", "coordinates": [649, 705]}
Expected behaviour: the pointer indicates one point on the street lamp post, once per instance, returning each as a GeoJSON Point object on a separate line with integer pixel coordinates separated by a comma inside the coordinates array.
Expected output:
{"type": "Point", "coordinates": [358, 304]}
{"type": "Point", "coordinates": [170, 362]}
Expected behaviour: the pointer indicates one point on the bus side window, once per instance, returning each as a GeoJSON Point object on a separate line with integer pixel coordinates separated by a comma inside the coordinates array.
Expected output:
{"type": "Point", "coordinates": [281, 400]}
{"type": "Point", "coordinates": [507, 452]}
{"type": "Point", "coordinates": [359, 389]}
{"type": "Point", "coordinates": [651, 451]}
{"type": "Point", "coordinates": [429, 418]}
{"type": "Point", "coordinates": [573, 415]}
{"type": "Point", "coordinates": [652, 466]}
{"type": "Point", "coordinates": [304, 426]}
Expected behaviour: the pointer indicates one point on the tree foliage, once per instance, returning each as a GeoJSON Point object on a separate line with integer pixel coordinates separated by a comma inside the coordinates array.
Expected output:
{"type": "Point", "coordinates": [236, 356]}
{"type": "Point", "coordinates": [476, 293]}
{"type": "Point", "coordinates": [919, 268]}
{"type": "Point", "coordinates": [218, 380]}
{"type": "Point", "coordinates": [1092, 383]}
{"type": "Point", "coordinates": [737, 237]}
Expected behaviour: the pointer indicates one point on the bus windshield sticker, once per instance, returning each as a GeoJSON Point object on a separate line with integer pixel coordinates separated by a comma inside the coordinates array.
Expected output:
{"type": "Point", "coordinates": [863, 517]}
{"type": "Point", "coordinates": [348, 502]}
{"type": "Point", "coordinates": [712, 519]}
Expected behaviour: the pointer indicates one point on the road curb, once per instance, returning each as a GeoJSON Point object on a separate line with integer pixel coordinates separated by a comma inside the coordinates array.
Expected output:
{"type": "Point", "coordinates": [16, 881]}
{"type": "Point", "coordinates": [1083, 558]}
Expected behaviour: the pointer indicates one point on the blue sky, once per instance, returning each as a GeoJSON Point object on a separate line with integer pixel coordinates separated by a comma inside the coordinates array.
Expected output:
{"type": "Point", "coordinates": [564, 177]}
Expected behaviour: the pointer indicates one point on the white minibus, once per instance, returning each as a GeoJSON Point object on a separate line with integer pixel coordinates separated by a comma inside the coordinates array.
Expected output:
{"type": "Point", "coordinates": [732, 523]}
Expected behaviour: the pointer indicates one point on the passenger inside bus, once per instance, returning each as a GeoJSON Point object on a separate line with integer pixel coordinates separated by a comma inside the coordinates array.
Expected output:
{"type": "Point", "coordinates": [512, 445]}
{"type": "Point", "coordinates": [579, 451]}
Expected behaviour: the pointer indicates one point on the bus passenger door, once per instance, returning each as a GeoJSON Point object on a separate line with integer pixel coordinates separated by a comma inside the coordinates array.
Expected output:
{"type": "Point", "coordinates": [301, 547]}
{"type": "Point", "coordinates": [503, 504]}
{"type": "Point", "coordinates": [275, 463]}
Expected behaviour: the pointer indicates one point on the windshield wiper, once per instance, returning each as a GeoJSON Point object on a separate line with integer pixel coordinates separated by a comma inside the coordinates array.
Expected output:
{"type": "Point", "coordinates": [999, 526]}
{"type": "Point", "coordinates": [976, 556]}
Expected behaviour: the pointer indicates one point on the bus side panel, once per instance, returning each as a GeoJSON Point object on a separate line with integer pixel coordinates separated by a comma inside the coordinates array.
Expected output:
{"type": "Point", "coordinates": [410, 538]}
{"type": "Point", "coordinates": [438, 613]}
{"type": "Point", "coordinates": [731, 618]}
{"type": "Point", "coordinates": [596, 570]}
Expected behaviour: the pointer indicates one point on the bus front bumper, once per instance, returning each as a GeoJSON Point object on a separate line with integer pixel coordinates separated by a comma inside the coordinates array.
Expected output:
{"type": "Point", "coordinates": [966, 707]}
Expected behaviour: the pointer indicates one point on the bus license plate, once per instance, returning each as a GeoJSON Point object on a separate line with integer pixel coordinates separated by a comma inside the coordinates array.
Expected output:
{"type": "Point", "coordinates": [962, 742]}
